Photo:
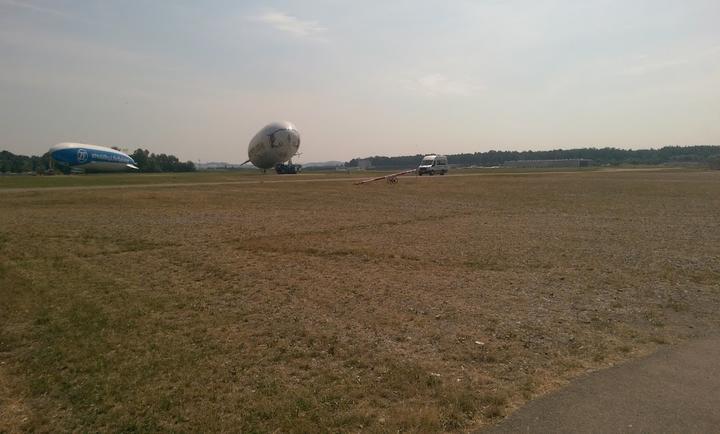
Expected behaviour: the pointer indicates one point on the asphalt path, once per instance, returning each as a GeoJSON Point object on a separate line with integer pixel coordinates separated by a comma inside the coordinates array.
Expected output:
{"type": "Point", "coordinates": [675, 390]}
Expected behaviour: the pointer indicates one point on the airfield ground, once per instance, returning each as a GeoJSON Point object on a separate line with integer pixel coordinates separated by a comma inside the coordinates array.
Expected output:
{"type": "Point", "coordinates": [436, 304]}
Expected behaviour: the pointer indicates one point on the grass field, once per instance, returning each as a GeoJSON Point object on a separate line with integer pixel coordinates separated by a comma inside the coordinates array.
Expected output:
{"type": "Point", "coordinates": [115, 179]}
{"type": "Point", "coordinates": [437, 304]}
{"type": "Point", "coordinates": [205, 177]}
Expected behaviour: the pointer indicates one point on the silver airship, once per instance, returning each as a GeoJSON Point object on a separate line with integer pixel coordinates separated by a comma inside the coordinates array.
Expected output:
{"type": "Point", "coordinates": [274, 145]}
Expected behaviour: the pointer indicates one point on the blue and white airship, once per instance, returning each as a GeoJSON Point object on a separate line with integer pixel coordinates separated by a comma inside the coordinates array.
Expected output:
{"type": "Point", "coordinates": [91, 158]}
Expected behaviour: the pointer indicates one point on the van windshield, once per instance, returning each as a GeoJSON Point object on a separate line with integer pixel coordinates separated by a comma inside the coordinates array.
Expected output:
{"type": "Point", "coordinates": [427, 162]}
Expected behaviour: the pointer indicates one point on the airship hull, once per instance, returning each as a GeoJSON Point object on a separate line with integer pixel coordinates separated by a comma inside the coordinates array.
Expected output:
{"type": "Point", "coordinates": [277, 143]}
{"type": "Point", "coordinates": [82, 157]}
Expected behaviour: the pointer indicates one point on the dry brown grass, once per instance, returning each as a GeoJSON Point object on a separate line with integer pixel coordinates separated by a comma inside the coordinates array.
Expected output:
{"type": "Point", "coordinates": [431, 305]}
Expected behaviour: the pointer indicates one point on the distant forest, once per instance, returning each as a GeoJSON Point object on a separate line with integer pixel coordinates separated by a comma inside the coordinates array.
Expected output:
{"type": "Point", "coordinates": [708, 155]}
{"type": "Point", "coordinates": [146, 161]}
{"type": "Point", "coordinates": [150, 162]}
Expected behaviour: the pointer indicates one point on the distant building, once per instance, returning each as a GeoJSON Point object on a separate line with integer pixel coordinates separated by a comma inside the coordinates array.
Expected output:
{"type": "Point", "coordinates": [365, 164]}
{"type": "Point", "coordinates": [574, 162]}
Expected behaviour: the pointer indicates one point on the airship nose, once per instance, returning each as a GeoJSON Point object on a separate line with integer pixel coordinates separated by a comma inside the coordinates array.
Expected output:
{"type": "Point", "coordinates": [58, 155]}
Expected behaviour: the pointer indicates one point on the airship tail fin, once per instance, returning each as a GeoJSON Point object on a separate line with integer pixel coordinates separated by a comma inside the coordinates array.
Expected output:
{"type": "Point", "coordinates": [132, 166]}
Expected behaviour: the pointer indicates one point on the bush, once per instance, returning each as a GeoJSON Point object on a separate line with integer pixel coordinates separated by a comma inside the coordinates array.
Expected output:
{"type": "Point", "coordinates": [714, 162]}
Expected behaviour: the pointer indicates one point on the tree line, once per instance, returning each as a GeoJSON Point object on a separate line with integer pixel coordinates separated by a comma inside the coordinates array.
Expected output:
{"type": "Point", "coordinates": [146, 162]}
{"type": "Point", "coordinates": [601, 156]}
{"type": "Point", "coordinates": [12, 163]}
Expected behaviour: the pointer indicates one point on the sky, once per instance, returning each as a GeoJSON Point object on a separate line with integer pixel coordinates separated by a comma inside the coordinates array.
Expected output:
{"type": "Point", "coordinates": [359, 78]}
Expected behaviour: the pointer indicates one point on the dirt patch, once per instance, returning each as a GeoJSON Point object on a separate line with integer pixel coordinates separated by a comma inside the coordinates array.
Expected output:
{"type": "Point", "coordinates": [14, 413]}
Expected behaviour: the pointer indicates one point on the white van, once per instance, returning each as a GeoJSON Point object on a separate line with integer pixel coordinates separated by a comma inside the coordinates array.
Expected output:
{"type": "Point", "coordinates": [432, 164]}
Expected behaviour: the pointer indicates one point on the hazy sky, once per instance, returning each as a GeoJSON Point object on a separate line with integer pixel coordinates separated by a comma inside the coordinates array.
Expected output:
{"type": "Point", "coordinates": [359, 78]}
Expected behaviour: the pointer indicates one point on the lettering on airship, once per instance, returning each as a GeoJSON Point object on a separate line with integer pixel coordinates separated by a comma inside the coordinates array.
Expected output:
{"type": "Point", "coordinates": [274, 139]}
{"type": "Point", "coordinates": [82, 155]}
